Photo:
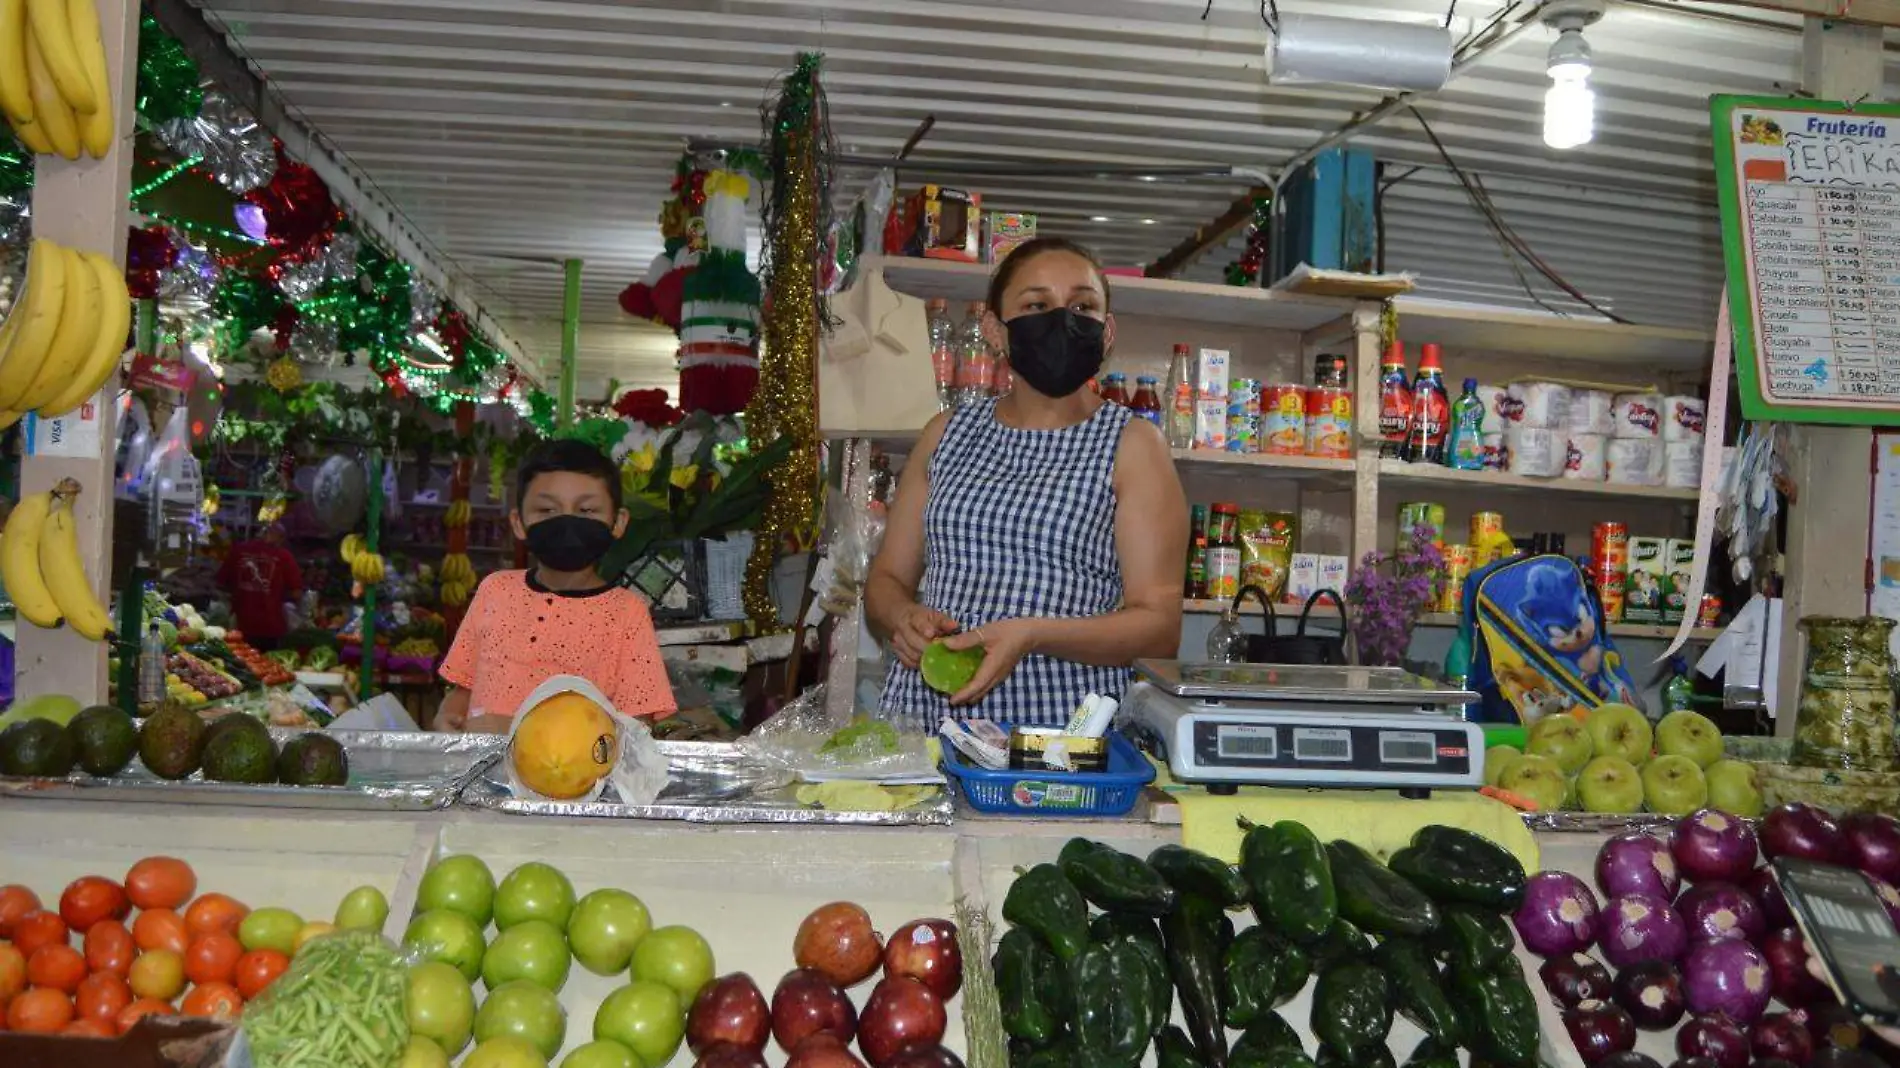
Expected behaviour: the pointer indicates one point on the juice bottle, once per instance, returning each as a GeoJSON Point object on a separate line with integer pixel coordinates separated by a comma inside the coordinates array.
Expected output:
{"type": "Point", "coordinates": [1197, 555]}
{"type": "Point", "coordinates": [976, 364]}
{"type": "Point", "coordinates": [1147, 402]}
{"type": "Point", "coordinates": [1178, 421]}
{"type": "Point", "coordinates": [1115, 388]}
{"type": "Point", "coordinates": [1395, 402]}
{"type": "Point", "coordinates": [1464, 448]}
{"type": "Point", "coordinates": [1431, 410]}
{"type": "Point", "coordinates": [943, 352]}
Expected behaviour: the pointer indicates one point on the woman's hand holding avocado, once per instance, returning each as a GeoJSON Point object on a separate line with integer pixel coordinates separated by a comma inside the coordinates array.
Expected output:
{"type": "Point", "coordinates": [918, 626]}
{"type": "Point", "coordinates": [1004, 643]}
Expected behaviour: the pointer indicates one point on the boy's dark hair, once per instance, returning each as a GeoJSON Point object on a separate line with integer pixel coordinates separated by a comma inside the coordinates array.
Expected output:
{"type": "Point", "coordinates": [567, 454]}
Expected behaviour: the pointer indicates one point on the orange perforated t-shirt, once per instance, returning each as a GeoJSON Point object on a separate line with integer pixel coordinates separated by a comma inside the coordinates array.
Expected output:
{"type": "Point", "coordinates": [518, 634]}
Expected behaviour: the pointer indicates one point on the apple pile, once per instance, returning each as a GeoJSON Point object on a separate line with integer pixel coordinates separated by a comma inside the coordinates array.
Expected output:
{"type": "Point", "coordinates": [1693, 936]}
{"type": "Point", "coordinates": [1603, 762]}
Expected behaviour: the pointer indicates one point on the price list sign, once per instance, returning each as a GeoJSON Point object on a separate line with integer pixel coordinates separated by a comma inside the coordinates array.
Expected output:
{"type": "Point", "coordinates": [1810, 202]}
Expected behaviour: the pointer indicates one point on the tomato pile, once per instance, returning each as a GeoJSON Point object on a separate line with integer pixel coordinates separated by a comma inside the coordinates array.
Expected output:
{"type": "Point", "coordinates": [107, 953]}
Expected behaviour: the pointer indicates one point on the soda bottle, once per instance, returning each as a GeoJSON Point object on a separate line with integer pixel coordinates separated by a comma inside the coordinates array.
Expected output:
{"type": "Point", "coordinates": [943, 352]}
{"type": "Point", "coordinates": [1464, 448]}
{"type": "Point", "coordinates": [1115, 388]}
{"type": "Point", "coordinates": [1395, 402]}
{"type": "Point", "coordinates": [1178, 424]}
{"type": "Point", "coordinates": [976, 364]}
{"type": "Point", "coordinates": [1147, 402]}
{"type": "Point", "coordinates": [1431, 410]}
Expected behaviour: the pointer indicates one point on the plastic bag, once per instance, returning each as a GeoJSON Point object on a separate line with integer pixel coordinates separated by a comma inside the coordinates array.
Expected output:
{"type": "Point", "coordinates": [339, 1005]}
{"type": "Point", "coordinates": [639, 772]}
{"type": "Point", "coordinates": [804, 738]}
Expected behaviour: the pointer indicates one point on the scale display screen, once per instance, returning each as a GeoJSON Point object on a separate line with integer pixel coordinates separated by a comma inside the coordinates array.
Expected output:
{"type": "Point", "coordinates": [1248, 743]}
{"type": "Point", "coordinates": [1368, 748]}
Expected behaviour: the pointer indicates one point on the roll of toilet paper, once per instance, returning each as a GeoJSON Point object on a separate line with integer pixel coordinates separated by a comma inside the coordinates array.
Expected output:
{"type": "Point", "coordinates": [1592, 411]}
{"type": "Point", "coordinates": [1497, 454]}
{"type": "Point", "coordinates": [1497, 407]}
{"type": "Point", "coordinates": [1638, 415]}
{"type": "Point", "coordinates": [1585, 456]}
{"type": "Point", "coordinates": [1544, 405]}
{"type": "Point", "coordinates": [1310, 49]}
{"type": "Point", "coordinates": [1634, 462]}
{"type": "Point", "coordinates": [1682, 464]}
{"type": "Point", "coordinates": [1535, 452]}
{"type": "Point", "coordinates": [1683, 418]}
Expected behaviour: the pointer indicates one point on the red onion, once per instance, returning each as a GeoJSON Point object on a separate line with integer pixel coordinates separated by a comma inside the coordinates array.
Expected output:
{"type": "Point", "coordinates": [1797, 829]}
{"type": "Point", "coordinates": [1720, 910]}
{"type": "Point", "coordinates": [1598, 1029]}
{"type": "Point", "coordinates": [1638, 927]}
{"type": "Point", "coordinates": [1727, 976]}
{"type": "Point", "coordinates": [1709, 844]}
{"type": "Point", "coordinates": [1574, 977]}
{"type": "Point", "coordinates": [1651, 992]}
{"type": "Point", "coordinates": [1761, 886]}
{"type": "Point", "coordinates": [1637, 863]}
{"type": "Point", "coordinates": [1788, 974]}
{"type": "Point", "coordinates": [1779, 1035]}
{"type": "Point", "coordinates": [1558, 914]}
{"type": "Point", "coordinates": [1871, 842]}
{"type": "Point", "coordinates": [1716, 1037]}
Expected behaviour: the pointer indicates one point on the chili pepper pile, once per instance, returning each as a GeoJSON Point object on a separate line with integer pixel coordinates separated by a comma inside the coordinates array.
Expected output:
{"type": "Point", "coordinates": [1422, 935]}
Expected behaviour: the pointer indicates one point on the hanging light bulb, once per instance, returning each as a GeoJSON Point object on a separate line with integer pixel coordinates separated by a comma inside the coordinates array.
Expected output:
{"type": "Point", "coordinates": [1569, 104]}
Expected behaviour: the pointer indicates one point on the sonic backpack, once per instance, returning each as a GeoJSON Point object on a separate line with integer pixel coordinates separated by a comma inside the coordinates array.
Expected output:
{"type": "Point", "coordinates": [1539, 646]}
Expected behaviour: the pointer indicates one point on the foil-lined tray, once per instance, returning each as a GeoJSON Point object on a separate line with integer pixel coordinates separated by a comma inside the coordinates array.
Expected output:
{"type": "Point", "coordinates": [1597, 822]}
{"type": "Point", "coordinates": [708, 782]}
{"type": "Point", "coordinates": [402, 771]}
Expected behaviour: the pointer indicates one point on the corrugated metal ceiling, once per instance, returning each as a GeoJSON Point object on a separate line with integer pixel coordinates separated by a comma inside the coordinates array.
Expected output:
{"type": "Point", "coordinates": [519, 132]}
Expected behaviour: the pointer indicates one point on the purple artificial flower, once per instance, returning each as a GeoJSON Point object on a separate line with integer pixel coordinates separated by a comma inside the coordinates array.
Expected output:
{"type": "Point", "coordinates": [1388, 593]}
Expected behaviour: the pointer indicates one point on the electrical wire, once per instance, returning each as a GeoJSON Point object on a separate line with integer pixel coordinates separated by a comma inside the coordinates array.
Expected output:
{"type": "Point", "coordinates": [1449, 12]}
{"type": "Point", "coordinates": [1496, 20]}
{"type": "Point", "coordinates": [1516, 246]}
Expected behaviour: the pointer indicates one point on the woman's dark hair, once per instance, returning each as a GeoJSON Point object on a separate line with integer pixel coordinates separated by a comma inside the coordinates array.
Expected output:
{"type": "Point", "coordinates": [567, 454]}
{"type": "Point", "coordinates": [1020, 256]}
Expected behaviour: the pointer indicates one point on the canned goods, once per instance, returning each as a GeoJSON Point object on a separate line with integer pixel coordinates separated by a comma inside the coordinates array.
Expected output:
{"type": "Point", "coordinates": [1485, 526]}
{"type": "Point", "coordinates": [1243, 433]}
{"type": "Point", "coordinates": [1223, 572]}
{"type": "Point", "coordinates": [1329, 422]}
{"type": "Point", "coordinates": [1283, 419]}
{"type": "Point", "coordinates": [1711, 611]}
{"type": "Point", "coordinates": [1610, 549]}
{"type": "Point", "coordinates": [1421, 514]}
{"type": "Point", "coordinates": [1243, 397]}
{"type": "Point", "coordinates": [1611, 595]}
{"type": "Point", "coordinates": [1458, 564]}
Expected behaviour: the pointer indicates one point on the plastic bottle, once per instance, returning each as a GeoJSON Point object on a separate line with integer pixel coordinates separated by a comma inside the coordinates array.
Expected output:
{"type": "Point", "coordinates": [152, 667]}
{"type": "Point", "coordinates": [1178, 422]}
{"type": "Point", "coordinates": [1147, 401]}
{"type": "Point", "coordinates": [1464, 447]}
{"type": "Point", "coordinates": [1431, 410]}
{"type": "Point", "coordinates": [976, 364]}
{"type": "Point", "coordinates": [1227, 642]}
{"type": "Point", "coordinates": [1678, 693]}
{"type": "Point", "coordinates": [943, 352]}
{"type": "Point", "coordinates": [1458, 664]}
{"type": "Point", "coordinates": [1197, 554]}
{"type": "Point", "coordinates": [1395, 402]}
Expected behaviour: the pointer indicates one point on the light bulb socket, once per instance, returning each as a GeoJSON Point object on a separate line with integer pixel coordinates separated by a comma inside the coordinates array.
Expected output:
{"type": "Point", "coordinates": [1569, 52]}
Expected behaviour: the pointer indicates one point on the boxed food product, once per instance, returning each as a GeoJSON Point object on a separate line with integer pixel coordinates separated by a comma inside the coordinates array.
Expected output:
{"type": "Point", "coordinates": [1210, 424]}
{"type": "Point", "coordinates": [1332, 574]}
{"type": "Point", "coordinates": [1003, 231]}
{"type": "Point", "coordinates": [1303, 578]}
{"type": "Point", "coordinates": [1679, 557]}
{"type": "Point", "coordinates": [1210, 376]}
{"type": "Point", "coordinates": [949, 224]}
{"type": "Point", "coordinates": [1643, 581]}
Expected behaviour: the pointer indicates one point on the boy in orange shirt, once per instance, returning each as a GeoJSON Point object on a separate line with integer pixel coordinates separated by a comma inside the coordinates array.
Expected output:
{"type": "Point", "coordinates": [559, 617]}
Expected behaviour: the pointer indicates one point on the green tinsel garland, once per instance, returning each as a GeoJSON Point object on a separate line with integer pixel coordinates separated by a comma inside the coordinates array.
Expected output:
{"type": "Point", "coordinates": [168, 83]}
{"type": "Point", "coordinates": [244, 303]}
{"type": "Point", "coordinates": [16, 165]}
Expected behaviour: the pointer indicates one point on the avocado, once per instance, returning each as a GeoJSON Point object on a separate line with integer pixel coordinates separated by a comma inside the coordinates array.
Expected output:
{"type": "Point", "coordinates": [171, 742]}
{"type": "Point", "coordinates": [241, 755]}
{"type": "Point", "coordinates": [234, 721]}
{"type": "Point", "coordinates": [36, 747]}
{"type": "Point", "coordinates": [105, 739]}
{"type": "Point", "coordinates": [314, 760]}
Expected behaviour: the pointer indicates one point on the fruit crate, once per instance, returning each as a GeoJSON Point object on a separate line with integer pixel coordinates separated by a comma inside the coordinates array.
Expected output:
{"type": "Point", "coordinates": [1010, 792]}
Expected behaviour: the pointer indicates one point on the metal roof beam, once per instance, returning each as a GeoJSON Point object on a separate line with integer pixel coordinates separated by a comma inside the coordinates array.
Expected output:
{"type": "Point", "coordinates": [1871, 12]}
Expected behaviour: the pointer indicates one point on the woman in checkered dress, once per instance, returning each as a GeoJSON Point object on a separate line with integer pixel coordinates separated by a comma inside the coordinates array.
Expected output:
{"type": "Point", "coordinates": [1047, 527]}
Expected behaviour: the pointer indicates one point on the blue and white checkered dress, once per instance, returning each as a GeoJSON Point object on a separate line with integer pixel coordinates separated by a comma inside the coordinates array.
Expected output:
{"type": "Point", "coordinates": [1020, 523]}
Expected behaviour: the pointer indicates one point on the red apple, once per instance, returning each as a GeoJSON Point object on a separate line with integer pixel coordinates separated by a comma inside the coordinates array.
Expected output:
{"type": "Point", "coordinates": [902, 1013]}
{"type": "Point", "coordinates": [731, 1011]}
{"type": "Point", "coordinates": [823, 1050]}
{"type": "Point", "coordinates": [927, 1057]}
{"type": "Point", "coordinates": [807, 1003]}
{"type": "Point", "coordinates": [927, 951]}
{"type": "Point", "coordinates": [727, 1055]}
{"type": "Point", "coordinates": [837, 940]}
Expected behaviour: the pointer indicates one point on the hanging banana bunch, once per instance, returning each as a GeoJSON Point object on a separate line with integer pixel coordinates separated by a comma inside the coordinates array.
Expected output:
{"type": "Point", "coordinates": [366, 568]}
{"type": "Point", "coordinates": [458, 579]}
{"type": "Point", "coordinates": [66, 333]}
{"type": "Point", "coordinates": [40, 563]}
{"type": "Point", "coordinates": [53, 85]}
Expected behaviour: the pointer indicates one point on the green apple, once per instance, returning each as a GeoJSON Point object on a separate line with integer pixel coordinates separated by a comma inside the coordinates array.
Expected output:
{"type": "Point", "coordinates": [1563, 739]}
{"type": "Point", "coordinates": [441, 1005]}
{"type": "Point", "coordinates": [523, 1010]}
{"type": "Point", "coordinates": [362, 909]}
{"type": "Point", "coordinates": [1537, 778]}
{"type": "Point", "coordinates": [1689, 734]}
{"type": "Point", "coordinates": [1620, 731]}
{"type": "Point", "coordinates": [534, 950]}
{"type": "Point", "coordinates": [506, 1052]}
{"type": "Point", "coordinates": [461, 883]}
{"type": "Point", "coordinates": [645, 1017]}
{"type": "Point", "coordinates": [606, 927]}
{"type": "Point", "coordinates": [270, 928]}
{"type": "Point", "coordinates": [534, 891]}
{"type": "Point", "coordinates": [676, 957]}
{"type": "Point", "coordinates": [601, 1053]}
{"type": "Point", "coordinates": [449, 937]}
{"type": "Point", "coordinates": [1495, 758]}
{"type": "Point", "coordinates": [1673, 785]}
{"type": "Point", "coordinates": [422, 1053]}
{"type": "Point", "coordinates": [1733, 788]}
{"type": "Point", "coordinates": [1610, 784]}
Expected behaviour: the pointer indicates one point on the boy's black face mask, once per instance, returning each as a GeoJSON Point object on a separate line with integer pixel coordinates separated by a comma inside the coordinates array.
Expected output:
{"type": "Point", "coordinates": [570, 542]}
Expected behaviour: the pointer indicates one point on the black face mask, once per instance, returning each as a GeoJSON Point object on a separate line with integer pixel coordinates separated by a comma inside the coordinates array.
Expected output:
{"type": "Point", "coordinates": [1056, 352]}
{"type": "Point", "coordinates": [570, 542]}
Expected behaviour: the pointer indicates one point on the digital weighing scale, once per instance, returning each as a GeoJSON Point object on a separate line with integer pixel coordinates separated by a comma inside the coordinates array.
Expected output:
{"type": "Point", "coordinates": [1228, 725]}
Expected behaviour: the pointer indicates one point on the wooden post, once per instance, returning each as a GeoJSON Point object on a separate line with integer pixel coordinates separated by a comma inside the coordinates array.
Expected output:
{"type": "Point", "coordinates": [82, 205]}
{"type": "Point", "coordinates": [455, 539]}
{"type": "Point", "coordinates": [570, 341]}
{"type": "Point", "coordinates": [372, 539]}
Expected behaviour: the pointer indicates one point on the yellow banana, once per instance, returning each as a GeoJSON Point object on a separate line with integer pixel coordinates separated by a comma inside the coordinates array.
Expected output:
{"type": "Point", "coordinates": [20, 561]}
{"type": "Point", "coordinates": [53, 29]}
{"type": "Point", "coordinates": [78, 329]}
{"type": "Point", "coordinates": [51, 113]}
{"type": "Point", "coordinates": [95, 126]}
{"type": "Point", "coordinates": [41, 304]}
{"type": "Point", "coordinates": [16, 99]}
{"type": "Point", "coordinates": [7, 419]}
{"type": "Point", "coordinates": [65, 575]}
{"type": "Point", "coordinates": [108, 345]}
{"type": "Point", "coordinates": [352, 545]}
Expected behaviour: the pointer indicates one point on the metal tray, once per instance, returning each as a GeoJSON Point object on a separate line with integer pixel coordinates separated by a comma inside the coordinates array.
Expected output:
{"type": "Point", "coordinates": [413, 771]}
{"type": "Point", "coordinates": [710, 782]}
{"type": "Point", "coordinates": [1597, 822]}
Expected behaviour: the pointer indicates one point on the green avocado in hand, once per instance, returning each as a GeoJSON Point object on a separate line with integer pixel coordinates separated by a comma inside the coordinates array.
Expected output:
{"type": "Point", "coordinates": [948, 670]}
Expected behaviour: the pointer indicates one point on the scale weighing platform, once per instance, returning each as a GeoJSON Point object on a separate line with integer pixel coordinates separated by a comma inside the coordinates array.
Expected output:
{"type": "Point", "coordinates": [1229, 725]}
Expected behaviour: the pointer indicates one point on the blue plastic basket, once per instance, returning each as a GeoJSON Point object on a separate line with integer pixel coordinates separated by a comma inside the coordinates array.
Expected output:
{"type": "Point", "coordinates": [1049, 793]}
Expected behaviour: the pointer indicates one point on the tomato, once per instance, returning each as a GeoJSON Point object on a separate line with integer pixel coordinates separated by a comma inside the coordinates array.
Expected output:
{"type": "Point", "coordinates": [141, 1008]}
{"type": "Point", "coordinates": [213, 958]}
{"type": "Point", "coordinates": [40, 1011]}
{"type": "Point", "coordinates": [258, 969]}
{"type": "Point", "coordinates": [220, 1001]}
{"type": "Point", "coordinates": [158, 973]}
{"type": "Point", "coordinates": [15, 902]}
{"type": "Point", "coordinates": [39, 928]}
{"type": "Point", "coordinates": [12, 972]}
{"type": "Point", "coordinates": [214, 912]}
{"type": "Point", "coordinates": [89, 899]}
{"type": "Point", "coordinates": [60, 967]}
{"type": "Point", "coordinates": [103, 996]}
{"type": "Point", "coordinates": [160, 929]}
{"type": "Point", "coordinates": [161, 883]}
{"type": "Point", "coordinates": [109, 948]}
{"type": "Point", "coordinates": [88, 1028]}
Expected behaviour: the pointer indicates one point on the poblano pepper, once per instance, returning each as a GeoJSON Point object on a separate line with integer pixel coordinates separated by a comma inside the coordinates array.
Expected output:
{"type": "Point", "coordinates": [1192, 934]}
{"type": "Point", "coordinates": [1251, 969]}
{"type": "Point", "coordinates": [1115, 1012]}
{"type": "Point", "coordinates": [1032, 987]}
{"type": "Point", "coordinates": [1113, 881]}
{"type": "Point", "coordinates": [1043, 900]}
{"type": "Point", "coordinates": [1289, 881]}
{"type": "Point", "coordinates": [1193, 872]}
{"type": "Point", "coordinates": [1173, 1049]}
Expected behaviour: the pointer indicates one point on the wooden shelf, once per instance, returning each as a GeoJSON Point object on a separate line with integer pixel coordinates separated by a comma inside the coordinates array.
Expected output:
{"type": "Point", "coordinates": [1484, 329]}
{"type": "Point", "coordinates": [1645, 631]}
{"type": "Point", "coordinates": [1401, 473]}
{"type": "Point", "coordinates": [1266, 465]}
{"type": "Point", "coordinates": [1261, 309]}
